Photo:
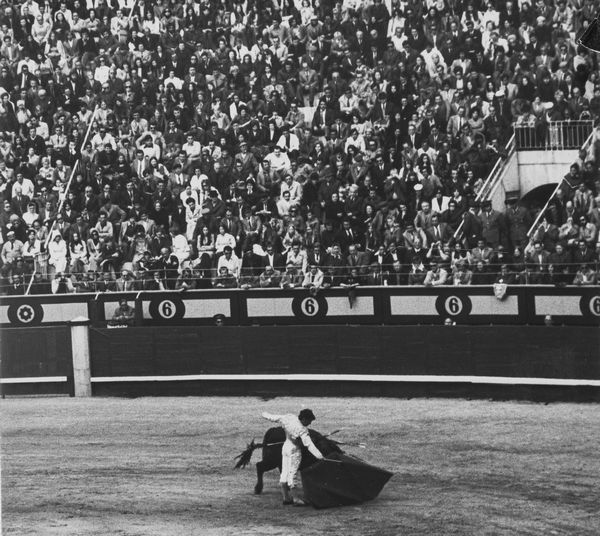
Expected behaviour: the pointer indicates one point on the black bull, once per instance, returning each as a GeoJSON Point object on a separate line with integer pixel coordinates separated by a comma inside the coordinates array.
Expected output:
{"type": "Point", "coordinates": [271, 452]}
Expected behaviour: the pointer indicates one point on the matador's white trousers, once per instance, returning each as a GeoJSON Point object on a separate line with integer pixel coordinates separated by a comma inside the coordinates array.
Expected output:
{"type": "Point", "coordinates": [291, 456]}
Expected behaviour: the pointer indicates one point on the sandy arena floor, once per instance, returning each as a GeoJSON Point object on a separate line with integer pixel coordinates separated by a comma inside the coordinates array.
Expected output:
{"type": "Point", "coordinates": [164, 467]}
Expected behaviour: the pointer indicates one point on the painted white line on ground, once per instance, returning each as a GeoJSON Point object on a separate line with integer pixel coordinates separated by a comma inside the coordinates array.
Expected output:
{"type": "Point", "coordinates": [498, 380]}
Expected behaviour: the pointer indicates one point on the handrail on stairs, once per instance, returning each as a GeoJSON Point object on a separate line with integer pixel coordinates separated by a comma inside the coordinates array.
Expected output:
{"type": "Point", "coordinates": [541, 213]}
{"type": "Point", "coordinates": [495, 175]}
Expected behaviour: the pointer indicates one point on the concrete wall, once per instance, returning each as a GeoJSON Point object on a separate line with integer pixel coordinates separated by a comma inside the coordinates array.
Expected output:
{"type": "Point", "coordinates": [509, 182]}
{"type": "Point", "coordinates": [536, 168]}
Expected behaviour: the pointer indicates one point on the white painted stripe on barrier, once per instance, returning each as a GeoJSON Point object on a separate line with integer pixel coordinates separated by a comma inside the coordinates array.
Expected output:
{"type": "Point", "coordinates": [64, 312]}
{"type": "Point", "coordinates": [269, 307]}
{"type": "Point", "coordinates": [40, 379]}
{"type": "Point", "coordinates": [413, 305]}
{"type": "Point", "coordinates": [339, 306]}
{"type": "Point", "coordinates": [493, 380]}
{"type": "Point", "coordinates": [490, 305]}
{"type": "Point", "coordinates": [207, 308]}
{"type": "Point", "coordinates": [557, 305]}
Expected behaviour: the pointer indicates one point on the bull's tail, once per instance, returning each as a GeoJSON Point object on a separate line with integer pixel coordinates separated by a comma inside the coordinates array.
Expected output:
{"type": "Point", "coordinates": [244, 458]}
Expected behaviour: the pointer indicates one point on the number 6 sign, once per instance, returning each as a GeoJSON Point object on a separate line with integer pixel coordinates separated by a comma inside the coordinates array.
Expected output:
{"type": "Point", "coordinates": [309, 307]}
{"type": "Point", "coordinates": [166, 308]}
{"type": "Point", "coordinates": [453, 305]}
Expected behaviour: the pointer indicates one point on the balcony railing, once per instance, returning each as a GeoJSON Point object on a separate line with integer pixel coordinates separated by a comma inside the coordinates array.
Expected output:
{"type": "Point", "coordinates": [553, 135]}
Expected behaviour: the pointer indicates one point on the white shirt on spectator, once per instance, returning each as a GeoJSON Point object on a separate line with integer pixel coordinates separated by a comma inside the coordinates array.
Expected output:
{"type": "Point", "coordinates": [223, 240]}
{"type": "Point", "coordinates": [232, 264]}
{"type": "Point", "coordinates": [278, 163]}
{"type": "Point", "coordinates": [26, 188]}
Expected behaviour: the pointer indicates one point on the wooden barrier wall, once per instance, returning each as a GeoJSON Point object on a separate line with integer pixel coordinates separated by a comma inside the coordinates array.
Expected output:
{"type": "Point", "coordinates": [358, 360]}
{"type": "Point", "coordinates": [36, 360]}
{"type": "Point", "coordinates": [367, 305]}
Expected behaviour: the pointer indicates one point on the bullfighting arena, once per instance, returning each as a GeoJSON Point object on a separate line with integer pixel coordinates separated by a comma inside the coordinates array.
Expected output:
{"type": "Point", "coordinates": [164, 467]}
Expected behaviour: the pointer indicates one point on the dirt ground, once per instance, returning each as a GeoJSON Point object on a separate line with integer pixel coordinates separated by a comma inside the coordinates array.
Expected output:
{"type": "Point", "coordinates": [164, 467]}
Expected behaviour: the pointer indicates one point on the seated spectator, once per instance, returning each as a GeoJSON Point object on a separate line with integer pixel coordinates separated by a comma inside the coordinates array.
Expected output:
{"type": "Point", "coordinates": [417, 273]}
{"type": "Point", "coordinates": [505, 275]}
{"type": "Point", "coordinates": [481, 275]}
{"type": "Point", "coordinates": [186, 280]}
{"type": "Point", "coordinates": [106, 283]}
{"type": "Point", "coordinates": [57, 250]}
{"type": "Point", "coordinates": [62, 284]}
{"type": "Point", "coordinates": [124, 314]}
{"type": "Point", "coordinates": [224, 240]}
{"type": "Point", "coordinates": [352, 280]}
{"type": "Point", "coordinates": [230, 261]}
{"type": "Point", "coordinates": [314, 278]}
{"type": "Point", "coordinates": [39, 285]}
{"type": "Point", "coordinates": [270, 278]}
{"type": "Point", "coordinates": [585, 276]}
{"type": "Point", "coordinates": [462, 276]}
{"type": "Point", "coordinates": [224, 278]}
{"type": "Point", "coordinates": [292, 278]}
{"type": "Point", "coordinates": [435, 276]}
{"type": "Point", "coordinates": [125, 283]}
{"type": "Point", "coordinates": [16, 287]}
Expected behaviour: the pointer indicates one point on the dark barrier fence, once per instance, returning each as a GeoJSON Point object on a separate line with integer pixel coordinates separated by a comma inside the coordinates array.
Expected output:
{"type": "Point", "coordinates": [475, 305]}
{"type": "Point", "coordinates": [36, 360]}
{"type": "Point", "coordinates": [357, 360]}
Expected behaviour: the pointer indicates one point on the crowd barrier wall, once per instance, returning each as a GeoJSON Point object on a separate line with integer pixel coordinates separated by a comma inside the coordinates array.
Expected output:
{"type": "Point", "coordinates": [36, 360]}
{"type": "Point", "coordinates": [365, 305]}
{"type": "Point", "coordinates": [351, 360]}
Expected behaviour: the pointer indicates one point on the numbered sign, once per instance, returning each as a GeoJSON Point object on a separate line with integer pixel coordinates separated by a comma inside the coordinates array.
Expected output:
{"type": "Point", "coordinates": [309, 307]}
{"type": "Point", "coordinates": [453, 306]}
{"type": "Point", "coordinates": [590, 305]}
{"type": "Point", "coordinates": [166, 308]}
{"type": "Point", "coordinates": [25, 314]}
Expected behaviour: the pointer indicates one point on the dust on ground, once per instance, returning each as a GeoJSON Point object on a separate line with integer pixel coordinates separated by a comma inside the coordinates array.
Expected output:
{"type": "Point", "coordinates": [164, 467]}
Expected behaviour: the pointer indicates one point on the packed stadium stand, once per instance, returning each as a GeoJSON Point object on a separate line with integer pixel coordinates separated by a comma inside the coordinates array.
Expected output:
{"type": "Point", "coordinates": [298, 143]}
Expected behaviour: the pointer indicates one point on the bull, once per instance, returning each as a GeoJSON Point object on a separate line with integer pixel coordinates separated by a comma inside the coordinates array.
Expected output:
{"type": "Point", "coordinates": [271, 452]}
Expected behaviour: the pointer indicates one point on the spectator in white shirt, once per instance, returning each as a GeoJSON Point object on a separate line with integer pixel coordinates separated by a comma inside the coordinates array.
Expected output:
{"type": "Point", "coordinates": [294, 187]}
{"type": "Point", "coordinates": [313, 278]}
{"type": "Point", "coordinates": [192, 148]}
{"type": "Point", "coordinates": [224, 240]}
{"type": "Point", "coordinates": [284, 204]}
{"type": "Point", "coordinates": [26, 186]}
{"type": "Point", "coordinates": [279, 160]}
{"type": "Point", "coordinates": [193, 213]}
{"type": "Point", "coordinates": [188, 193]}
{"type": "Point", "coordinates": [172, 79]}
{"type": "Point", "coordinates": [229, 260]}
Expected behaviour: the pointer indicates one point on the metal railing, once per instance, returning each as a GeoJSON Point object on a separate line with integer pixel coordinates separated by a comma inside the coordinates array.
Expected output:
{"type": "Point", "coordinates": [552, 135]}
{"type": "Point", "coordinates": [541, 213]}
{"type": "Point", "coordinates": [492, 181]}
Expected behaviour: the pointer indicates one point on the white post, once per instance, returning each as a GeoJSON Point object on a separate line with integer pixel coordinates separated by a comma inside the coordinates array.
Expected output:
{"type": "Point", "coordinates": [80, 348]}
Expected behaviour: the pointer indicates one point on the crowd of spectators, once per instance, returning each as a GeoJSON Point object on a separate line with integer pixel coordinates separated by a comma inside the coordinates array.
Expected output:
{"type": "Point", "coordinates": [285, 143]}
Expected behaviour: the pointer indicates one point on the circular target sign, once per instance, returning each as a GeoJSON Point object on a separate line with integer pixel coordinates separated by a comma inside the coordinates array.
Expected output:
{"type": "Point", "coordinates": [453, 305]}
{"type": "Point", "coordinates": [25, 313]}
{"type": "Point", "coordinates": [309, 307]}
{"type": "Point", "coordinates": [166, 308]}
{"type": "Point", "coordinates": [590, 305]}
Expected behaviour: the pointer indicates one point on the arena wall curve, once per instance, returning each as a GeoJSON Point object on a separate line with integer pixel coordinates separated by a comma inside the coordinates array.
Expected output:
{"type": "Point", "coordinates": [379, 342]}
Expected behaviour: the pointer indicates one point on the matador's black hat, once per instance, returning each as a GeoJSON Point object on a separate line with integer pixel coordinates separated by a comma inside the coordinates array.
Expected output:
{"type": "Point", "coordinates": [307, 414]}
